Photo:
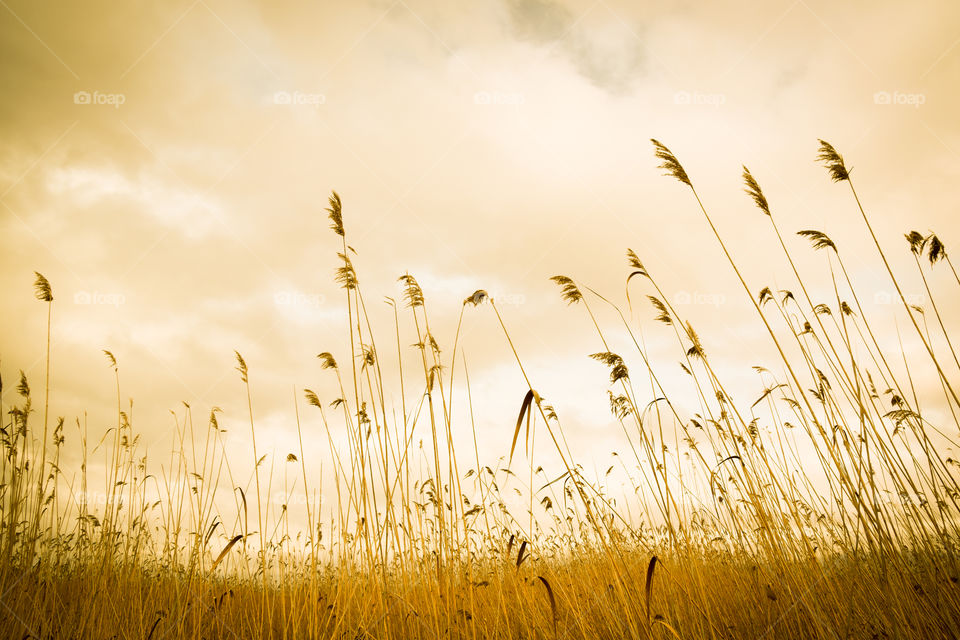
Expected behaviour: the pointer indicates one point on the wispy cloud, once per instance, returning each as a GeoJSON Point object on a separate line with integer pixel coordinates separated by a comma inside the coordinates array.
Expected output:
{"type": "Point", "coordinates": [610, 55]}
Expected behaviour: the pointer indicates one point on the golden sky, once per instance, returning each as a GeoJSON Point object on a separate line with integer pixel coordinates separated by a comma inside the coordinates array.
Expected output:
{"type": "Point", "coordinates": [166, 165]}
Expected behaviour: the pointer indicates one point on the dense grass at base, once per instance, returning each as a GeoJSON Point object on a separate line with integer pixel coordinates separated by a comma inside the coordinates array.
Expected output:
{"type": "Point", "coordinates": [702, 595]}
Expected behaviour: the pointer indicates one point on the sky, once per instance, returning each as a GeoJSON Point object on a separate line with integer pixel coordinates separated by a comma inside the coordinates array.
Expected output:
{"type": "Point", "coordinates": [167, 167]}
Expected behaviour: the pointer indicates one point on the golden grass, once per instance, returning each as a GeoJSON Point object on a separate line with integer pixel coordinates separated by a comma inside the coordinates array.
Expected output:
{"type": "Point", "coordinates": [826, 509]}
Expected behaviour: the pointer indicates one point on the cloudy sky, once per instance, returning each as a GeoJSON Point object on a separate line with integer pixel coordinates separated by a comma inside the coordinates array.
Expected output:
{"type": "Point", "coordinates": [167, 165]}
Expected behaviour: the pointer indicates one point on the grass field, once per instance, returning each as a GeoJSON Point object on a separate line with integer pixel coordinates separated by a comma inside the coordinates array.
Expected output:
{"type": "Point", "coordinates": [827, 509]}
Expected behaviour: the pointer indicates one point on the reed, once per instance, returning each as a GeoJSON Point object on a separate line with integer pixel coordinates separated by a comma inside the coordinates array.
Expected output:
{"type": "Point", "coordinates": [825, 506]}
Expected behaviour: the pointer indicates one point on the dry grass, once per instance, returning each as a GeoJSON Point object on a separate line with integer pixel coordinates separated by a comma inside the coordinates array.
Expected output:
{"type": "Point", "coordinates": [826, 509]}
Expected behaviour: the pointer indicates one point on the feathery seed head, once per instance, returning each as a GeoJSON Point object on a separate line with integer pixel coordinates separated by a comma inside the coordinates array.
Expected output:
{"type": "Point", "coordinates": [695, 352]}
{"type": "Point", "coordinates": [818, 239]}
{"type": "Point", "coordinates": [937, 251]}
{"type": "Point", "coordinates": [608, 358]}
{"type": "Point", "coordinates": [312, 398]}
{"type": "Point", "coordinates": [42, 288]}
{"type": "Point", "coordinates": [550, 412]}
{"type": "Point", "coordinates": [669, 163]}
{"type": "Point", "coordinates": [369, 355]}
{"type": "Point", "coordinates": [833, 161]}
{"type": "Point", "coordinates": [916, 242]}
{"type": "Point", "coordinates": [23, 387]}
{"type": "Point", "coordinates": [327, 359]}
{"type": "Point", "coordinates": [336, 214]}
{"type": "Point", "coordinates": [754, 191]}
{"type": "Point", "coordinates": [568, 289]}
{"type": "Point", "coordinates": [476, 297]}
{"type": "Point", "coordinates": [411, 290]}
{"type": "Point", "coordinates": [765, 296]}
{"type": "Point", "coordinates": [635, 263]}
{"type": "Point", "coordinates": [213, 418]}
{"type": "Point", "coordinates": [697, 348]}
{"type": "Point", "coordinates": [241, 366]}
{"type": "Point", "coordinates": [346, 276]}
{"type": "Point", "coordinates": [663, 315]}
{"type": "Point", "coordinates": [619, 405]}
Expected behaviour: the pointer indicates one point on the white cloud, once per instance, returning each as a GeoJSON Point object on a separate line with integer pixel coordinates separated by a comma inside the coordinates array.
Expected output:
{"type": "Point", "coordinates": [190, 213]}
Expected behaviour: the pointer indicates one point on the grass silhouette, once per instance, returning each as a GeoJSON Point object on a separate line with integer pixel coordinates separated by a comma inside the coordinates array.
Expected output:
{"type": "Point", "coordinates": [826, 509]}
